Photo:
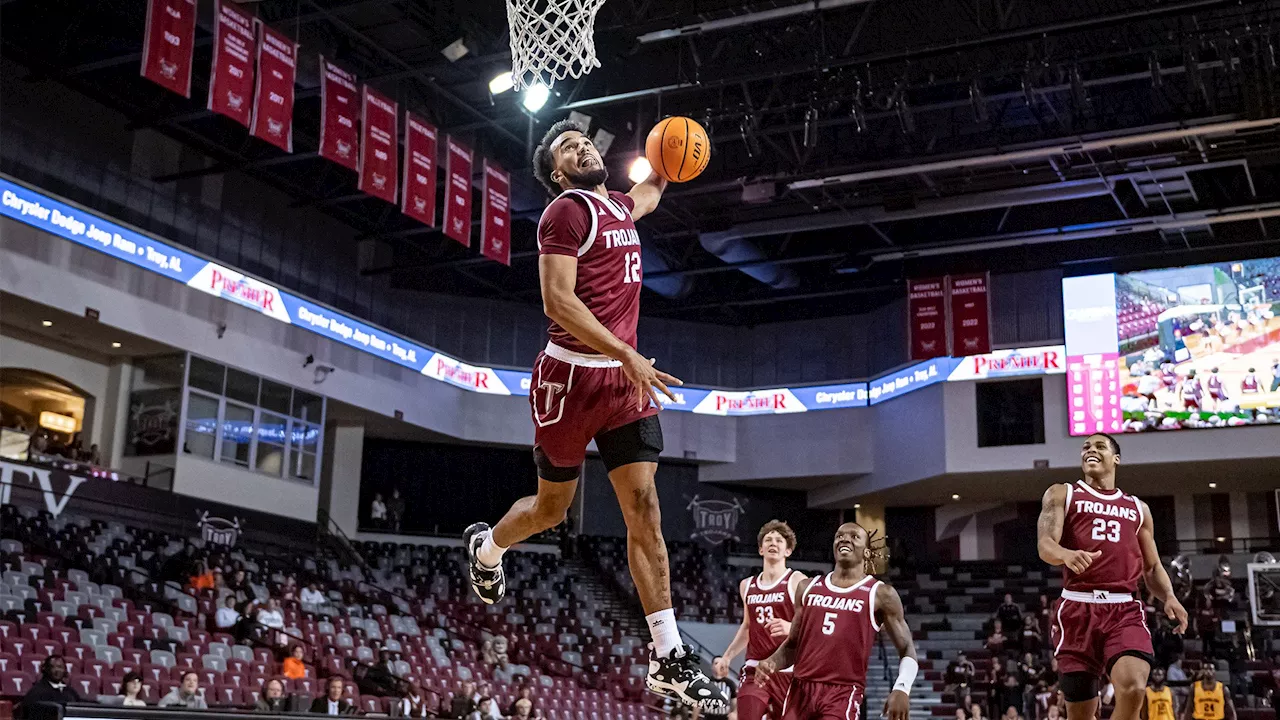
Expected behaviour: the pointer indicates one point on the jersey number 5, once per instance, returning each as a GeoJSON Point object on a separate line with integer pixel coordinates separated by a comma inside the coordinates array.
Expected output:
{"type": "Point", "coordinates": [764, 615]}
{"type": "Point", "coordinates": [631, 268]}
{"type": "Point", "coordinates": [1108, 530]}
{"type": "Point", "coordinates": [829, 624]}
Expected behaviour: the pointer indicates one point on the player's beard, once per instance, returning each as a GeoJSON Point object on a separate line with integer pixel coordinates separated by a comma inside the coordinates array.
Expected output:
{"type": "Point", "coordinates": [588, 179]}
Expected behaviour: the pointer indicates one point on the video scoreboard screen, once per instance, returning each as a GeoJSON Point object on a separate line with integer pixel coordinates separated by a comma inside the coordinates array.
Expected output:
{"type": "Point", "coordinates": [1188, 347]}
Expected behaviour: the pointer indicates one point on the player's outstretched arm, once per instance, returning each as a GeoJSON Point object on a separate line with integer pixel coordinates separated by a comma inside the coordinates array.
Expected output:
{"type": "Point", "coordinates": [646, 195]}
{"type": "Point", "coordinates": [893, 621]}
{"type": "Point", "coordinates": [785, 655]}
{"type": "Point", "coordinates": [740, 639]}
{"type": "Point", "coordinates": [1154, 574]}
{"type": "Point", "coordinates": [1053, 512]}
{"type": "Point", "coordinates": [1231, 704]}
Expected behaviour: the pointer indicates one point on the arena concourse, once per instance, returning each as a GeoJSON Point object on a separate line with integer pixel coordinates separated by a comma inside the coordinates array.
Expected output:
{"type": "Point", "coordinates": [292, 340]}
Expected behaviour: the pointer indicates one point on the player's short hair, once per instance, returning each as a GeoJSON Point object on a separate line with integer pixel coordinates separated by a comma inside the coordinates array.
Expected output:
{"type": "Point", "coordinates": [543, 161]}
{"type": "Point", "coordinates": [1115, 444]}
{"type": "Point", "coordinates": [780, 527]}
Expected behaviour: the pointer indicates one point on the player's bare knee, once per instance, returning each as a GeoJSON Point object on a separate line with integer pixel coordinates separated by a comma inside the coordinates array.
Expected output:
{"type": "Point", "coordinates": [641, 508]}
{"type": "Point", "coordinates": [549, 513]}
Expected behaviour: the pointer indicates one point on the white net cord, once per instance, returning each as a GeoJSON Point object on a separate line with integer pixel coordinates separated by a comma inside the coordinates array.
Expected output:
{"type": "Point", "coordinates": [551, 40]}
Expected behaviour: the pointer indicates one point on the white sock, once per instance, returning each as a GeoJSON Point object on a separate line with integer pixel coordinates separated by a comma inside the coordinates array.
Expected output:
{"type": "Point", "coordinates": [666, 636]}
{"type": "Point", "coordinates": [490, 553]}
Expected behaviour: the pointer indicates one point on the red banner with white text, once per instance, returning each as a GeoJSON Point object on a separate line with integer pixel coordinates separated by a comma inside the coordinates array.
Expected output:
{"type": "Point", "coordinates": [495, 226]}
{"type": "Point", "coordinates": [378, 174]}
{"type": "Point", "coordinates": [273, 101]}
{"type": "Point", "coordinates": [927, 315]}
{"type": "Point", "coordinates": [970, 315]}
{"type": "Point", "coordinates": [168, 44]}
{"type": "Point", "coordinates": [419, 198]}
{"type": "Point", "coordinates": [457, 194]}
{"type": "Point", "coordinates": [339, 139]}
{"type": "Point", "coordinates": [231, 79]}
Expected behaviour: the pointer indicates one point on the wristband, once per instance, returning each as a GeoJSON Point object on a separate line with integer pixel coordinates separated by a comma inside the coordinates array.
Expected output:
{"type": "Point", "coordinates": [907, 669]}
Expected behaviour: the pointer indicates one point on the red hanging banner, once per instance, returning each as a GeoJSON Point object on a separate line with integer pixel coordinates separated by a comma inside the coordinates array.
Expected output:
{"type": "Point", "coordinates": [273, 100]}
{"type": "Point", "coordinates": [339, 140]}
{"type": "Point", "coordinates": [457, 195]}
{"type": "Point", "coordinates": [927, 315]}
{"type": "Point", "coordinates": [419, 198]}
{"type": "Point", "coordinates": [231, 81]}
{"type": "Point", "coordinates": [495, 228]}
{"type": "Point", "coordinates": [970, 315]}
{"type": "Point", "coordinates": [168, 44]}
{"type": "Point", "coordinates": [378, 145]}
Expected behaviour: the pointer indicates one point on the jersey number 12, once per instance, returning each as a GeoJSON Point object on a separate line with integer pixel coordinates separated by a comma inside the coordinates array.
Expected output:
{"type": "Point", "coordinates": [631, 268]}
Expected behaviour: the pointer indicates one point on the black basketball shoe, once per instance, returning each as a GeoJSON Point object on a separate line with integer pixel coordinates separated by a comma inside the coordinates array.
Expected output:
{"type": "Point", "coordinates": [490, 584]}
{"type": "Point", "coordinates": [679, 676]}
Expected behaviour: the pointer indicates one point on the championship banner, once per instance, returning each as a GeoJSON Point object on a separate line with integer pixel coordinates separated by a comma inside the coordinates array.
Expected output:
{"type": "Point", "coordinates": [168, 44]}
{"type": "Point", "coordinates": [970, 315]}
{"type": "Point", "coordinates": [231, 80]}
{"type": "Point", "coordinates": [378, 145]}
{"type": "Point", "coordinates": [495, 227]}
{"type": "Point", "coordinates": [339, 140]}
{"type": "Point", "coordinates": [273, 100]}
{"type": "Point", "coordinates": [419, 198]}
{"type": "Point", "coordinates": [927, 318]}
{"type": "Point", "coordinates": [457, 196]}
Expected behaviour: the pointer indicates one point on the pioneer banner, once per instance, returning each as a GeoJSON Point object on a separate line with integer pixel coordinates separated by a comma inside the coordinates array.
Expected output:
{"type": "Point", "coordinates": [457, 194]}
{"type": "Point", "coordinates": [419, 198]}
{"type": "Point", "coordinates": [927, 318]}
{"type": "Point", "coordinates": [378, 145]}
{"type": "Point", "coordinates": [168, 44]}
{"type": "Point", "coordinates": [273, 100]}
{"type": "Point", "coordinates": [339, 140]}
{"type": "Point", "coordinates": [495, 227]}
{"type": "Point", "coordinates": [231, 79]}
{"type": "Point", "coordinates": [970, 315]}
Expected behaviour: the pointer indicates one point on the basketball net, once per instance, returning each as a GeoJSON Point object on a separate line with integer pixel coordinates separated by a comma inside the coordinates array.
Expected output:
{"type": "Point", "coordinates": [551, 40]}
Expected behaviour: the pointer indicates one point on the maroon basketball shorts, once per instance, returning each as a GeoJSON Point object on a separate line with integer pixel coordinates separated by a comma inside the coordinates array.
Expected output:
{"type": "Point", "coordinates": [575, 398]}
{"type": "Point", "coordinates": [1092, 630]}
{"type": "Point", "coordinates": [822, 701]}
{"type": "Point", "coordinates": [757, 701]}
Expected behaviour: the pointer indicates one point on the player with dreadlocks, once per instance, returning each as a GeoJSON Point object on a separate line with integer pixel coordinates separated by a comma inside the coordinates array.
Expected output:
{"type": "Point", "coordinates": [836, 621]}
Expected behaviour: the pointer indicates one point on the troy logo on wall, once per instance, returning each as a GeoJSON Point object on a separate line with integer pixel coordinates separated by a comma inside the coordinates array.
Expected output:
{"type": "Point", "coordinates": [715, 521]}
{"type": "Point", "coordinates": [153, 421]}
{"type": "Point", "coordinates": [219, 531]}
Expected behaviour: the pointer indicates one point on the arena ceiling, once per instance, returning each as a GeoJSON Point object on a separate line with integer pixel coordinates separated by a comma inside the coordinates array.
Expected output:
{"type": "Point", "coordinates": [855, 144]}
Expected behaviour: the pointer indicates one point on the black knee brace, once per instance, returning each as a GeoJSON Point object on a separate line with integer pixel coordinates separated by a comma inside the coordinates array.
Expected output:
{"type": "Point", "coordinates": [550, 472]}
{"type": "Point", "coordinates": [639, 441]}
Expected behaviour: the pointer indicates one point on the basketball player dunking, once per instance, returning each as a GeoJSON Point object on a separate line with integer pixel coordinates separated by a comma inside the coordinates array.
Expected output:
{"type": "Point", "coordinates": [1104, 540]}
{"type": "Point", "coordinates": [837, 618]}
{"type": "Point", "coordinates": [768, 607]}
{"type": "Point", "coordinates": [590, 383]}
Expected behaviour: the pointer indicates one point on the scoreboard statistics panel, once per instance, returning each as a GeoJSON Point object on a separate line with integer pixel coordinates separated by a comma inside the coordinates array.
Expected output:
{"type": "Point", "coordinates": [1189, 347]}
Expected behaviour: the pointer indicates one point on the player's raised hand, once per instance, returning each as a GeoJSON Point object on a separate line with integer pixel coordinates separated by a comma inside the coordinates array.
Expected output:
{"type": "Point", "coordinates": [897, 706]}
{"type": "Point", "coordinates": [764, 671]}
{"type": "Point", "coordinates": [645, 377]}
{"type": "Point", "coordinates": [1174, 611]}
{"type": "Point", "coordinates": [778, 628]}
{"type": "Point", "coordinates": [1079, 560]}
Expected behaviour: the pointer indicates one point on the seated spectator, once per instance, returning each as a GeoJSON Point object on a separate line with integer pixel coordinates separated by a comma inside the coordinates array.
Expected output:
{"type": "Point", "coordinates": [1011, 714]}
{"type": "Point", "coordinates": [500, 649]}
{"type": "Point", "coordinates": [961, 714]}
{"type": "Point", "coordinates": [94, 456]}
{"type": "Point", "coordinates": [487, 655]}
{"type": "Point", "coordinates": [413, 703]}
{"type": "Point", "coordinates": [1054, 712]}
{"type": "Point", "coordinates": [1010, 696]}
{"type": "Point", "coordinates": [51, 689]}
{"type": "Point", "coordinates": [333, 703]}
{"type": "Point", "coordinates": [311, 596]}
{"type": "Point", "coordinates": [1219, 593]}
{"type": "Point", "coordinates": [131, 690]}
{"type": "Point", "coordinates": [272, 699]}
{"type": "Point", "coordinates": [524, 693]}
{"type": "Point", "coordinates": [1032, 640]}
{"type": "Point", "coordinates": [492, 713]}
{"type": "Point", "coordinates": [1009, 613]}
{"type": "Point", "coordinates": [271, 617]}
{"type": "Point", "coordinates": [294, 668]}
{"type": "Point", "coordinates": [996, 640]}
{"type": "Point", "coordinates": [289, 589]}
{"type": "Point", "coordinates": [959, 673]}
{"type": "Point", "coordinates": [975, 712]}
{"type": "Point", "coordinates": [1030, 670]}
{"type": "Point", "coordinates": [522, 709]}
{"type": "Point", "coordinates": [464, 701]}
{"type": "Point", "coordinates": [186, 695]}
{"type": "Point", "coordinates": [227, 617]}
{"type": "Point", "coordinates": [483, 711]}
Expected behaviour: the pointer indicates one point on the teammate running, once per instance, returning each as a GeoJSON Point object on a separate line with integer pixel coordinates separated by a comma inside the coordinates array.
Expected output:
{"type": "Point", "coordinates": [590, 383]}
{"type": "Point", "coordinates": [768, 606]}
{"type": "Point", "coordinates": [1209, 698]}
{"type": "Point", "coordinates": [837, 618]}
{"type": "Point", "coordinates": [1104, 540]}
{"type": "Point", "coordinates": [1160, 704]}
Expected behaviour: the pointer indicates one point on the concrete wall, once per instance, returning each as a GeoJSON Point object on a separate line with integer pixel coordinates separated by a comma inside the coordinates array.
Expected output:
{"type": "Point", "coordinates": [226, 483]}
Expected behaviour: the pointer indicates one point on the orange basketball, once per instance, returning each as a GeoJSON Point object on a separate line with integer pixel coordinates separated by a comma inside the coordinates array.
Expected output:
{"type": "Point", "coordinates": [678, 149]}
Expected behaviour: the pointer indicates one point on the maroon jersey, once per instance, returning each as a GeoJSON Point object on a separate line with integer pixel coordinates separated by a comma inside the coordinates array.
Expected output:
{"type": "Point", "coordinates": [1250, 384]}
{"type": "Point", "coordinates": [602, 235]}
{"type": "Point", "coordinates": [837, 630]}
{"type": "Point", "coordinates": [1215, 386]}
{"type": "Point", "coordinates": [765, 603]}
{"type": "Point", "coordinates": [1106, 523]}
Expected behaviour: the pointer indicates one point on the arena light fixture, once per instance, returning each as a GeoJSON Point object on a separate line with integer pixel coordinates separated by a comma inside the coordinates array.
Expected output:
{"type": "Point", "coordinates": [640, 170]}
{"type": "Point", "coordinates": [47, 323]}
{"type": "Point", "coordinates": [501, 83]}
{"type": "Point", "coordinates": [1213, 485]}
{"type": "Point", "coordinates": [955, 496]}
{"type": "Point", "coordinates": [535, 96]}
{"type": "Point", "coordinates": [1220, 539]}
{"type": "Point", "coordinates": [857, 506]}
{"type": "Point", "coordinates": [115, 344]}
